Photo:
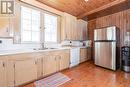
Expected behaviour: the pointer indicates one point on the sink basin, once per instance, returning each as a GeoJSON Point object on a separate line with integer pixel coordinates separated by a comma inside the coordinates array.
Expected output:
{"type": "Point", "coordinates": [52, 48]}
{"type": "Point", "coordinates": [40, 49]}
{"type": "Point", "coordinates": [44, 48]}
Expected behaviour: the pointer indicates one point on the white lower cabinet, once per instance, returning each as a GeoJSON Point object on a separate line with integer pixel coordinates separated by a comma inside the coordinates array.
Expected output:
{"type": "Point", "coordinates": [25, 71]}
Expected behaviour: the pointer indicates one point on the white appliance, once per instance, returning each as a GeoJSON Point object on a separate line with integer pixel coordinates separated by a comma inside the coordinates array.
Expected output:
{"type": "Point", "coordinates": [74, 56]}
{"type": "Point", "coordinates": [87, 43]}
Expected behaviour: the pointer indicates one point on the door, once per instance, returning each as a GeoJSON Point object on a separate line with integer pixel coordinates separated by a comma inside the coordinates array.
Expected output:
{"type": "Point", "coordinates": [105, 54]}
{"type": "Point", "coordinates": [25, 71]}
{"type": "Point", "coordinates": [50, 64]}
{"type": "Point", "coordinates": [64, 61]}
{"type": "Point", "coordinates": [3, 79]}
{"type": "Point", "coordinates": [108, 33]}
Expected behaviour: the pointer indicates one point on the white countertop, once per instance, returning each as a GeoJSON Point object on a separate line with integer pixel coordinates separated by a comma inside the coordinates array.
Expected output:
{"type": "Point", "coordinates": [19, 51]}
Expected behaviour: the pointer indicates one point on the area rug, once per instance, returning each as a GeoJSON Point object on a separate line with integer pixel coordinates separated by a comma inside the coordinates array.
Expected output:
{"type": "Point", "coordinates": [53, 80]}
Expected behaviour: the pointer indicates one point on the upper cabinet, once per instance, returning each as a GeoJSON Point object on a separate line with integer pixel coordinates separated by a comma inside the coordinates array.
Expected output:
{"type": "Point", "coordinates": [10, 25]}
{"type": "Point", "coordinates": [68, 27]}
{"type": "Point", "coordinates": [5, 27]}
{"type": "Point", "coordinates": [82, 29]}
{"type": "Point", "coordinates": [73, 29]}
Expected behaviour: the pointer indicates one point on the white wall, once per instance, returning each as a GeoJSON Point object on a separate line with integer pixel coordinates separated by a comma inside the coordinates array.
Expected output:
{"type": "Point", "coordinates": [7, 44]}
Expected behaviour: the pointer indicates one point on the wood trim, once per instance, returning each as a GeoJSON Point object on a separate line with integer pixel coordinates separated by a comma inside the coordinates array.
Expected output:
{"type": "Point", "coordinates": [102, 8]}
{"type": "Point", "coordinates": [42, 6]}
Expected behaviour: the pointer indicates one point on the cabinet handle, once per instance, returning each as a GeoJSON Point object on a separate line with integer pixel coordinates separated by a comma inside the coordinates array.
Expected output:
{"type": "Point", "coordinates": [35, 62]}
{"type": "Point", "coordinates": [14, 65]}
{"type": "Point", "coordinates": [60, 57]}
{"type": "Point", "coordinates": [66, 37]}
{"type": "Point", "coordinates": [3, 64]}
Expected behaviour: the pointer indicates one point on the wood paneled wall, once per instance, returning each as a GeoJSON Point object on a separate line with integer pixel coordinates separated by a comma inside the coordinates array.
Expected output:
{"type": "Point", "coordinates": [120, 19]}
{"type": "Point", "coordinates": [110, 10]}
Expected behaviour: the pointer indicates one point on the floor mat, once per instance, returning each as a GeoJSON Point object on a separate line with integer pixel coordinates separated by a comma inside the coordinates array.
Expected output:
{"type": "Point", "coordinates": [53, 80]}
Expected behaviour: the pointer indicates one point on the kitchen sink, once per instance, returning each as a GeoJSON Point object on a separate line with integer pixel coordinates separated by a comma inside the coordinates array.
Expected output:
{"type": "Point", "coordinates": [44, 48]}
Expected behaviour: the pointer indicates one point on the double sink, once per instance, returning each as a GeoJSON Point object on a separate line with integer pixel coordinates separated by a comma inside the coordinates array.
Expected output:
{"type": "Point", "coordinates": [44, 48]}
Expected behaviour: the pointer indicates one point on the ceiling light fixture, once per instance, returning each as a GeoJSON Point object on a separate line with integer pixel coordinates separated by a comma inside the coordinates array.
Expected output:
{"type": "Point", "coordinates": [86, 0]}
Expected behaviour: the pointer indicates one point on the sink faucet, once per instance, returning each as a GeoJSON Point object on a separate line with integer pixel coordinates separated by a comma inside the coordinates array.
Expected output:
{"type": "Point", "coordinates": [42, 45]}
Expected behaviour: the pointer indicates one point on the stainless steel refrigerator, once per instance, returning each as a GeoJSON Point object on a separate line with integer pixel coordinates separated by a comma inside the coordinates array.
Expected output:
{"type": "Point", "coordinates": [105, 43]}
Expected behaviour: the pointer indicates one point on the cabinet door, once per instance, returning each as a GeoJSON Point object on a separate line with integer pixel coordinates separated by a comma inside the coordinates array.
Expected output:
{"type": "Point", "coordinates": [70, 27]}
{"type": "Point", "coordinates": [67, 26]}
{"type": "Point", "coordinates": [3, 75]}
{"type": "Point", "coordinates": [83, 55]}
{"type": "Point", "coordinates": [39, 68]}
{"type": "Point", "coordinates": [64, 61]}
{"type": "Point", "coordinates": [79, 29]}
{"type": "Point", "coordinates": [50, 64]}
{"type": "Point", "coordinates": [25, 71]}
{"type": "Point", "coordinates": [89, 53]}
{"type": "Point", "coordinates": [82, 29]}
{"type": "Point", "coordinates": [4, 27]}
{"type": "Point", "coordinates": [73, 29]}
{"type": "Point", "coordinates": [10, 73]}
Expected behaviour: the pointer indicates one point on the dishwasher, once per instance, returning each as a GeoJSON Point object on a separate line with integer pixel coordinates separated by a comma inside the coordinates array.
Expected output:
{"type": "Point", "coordinates": [74, 56]}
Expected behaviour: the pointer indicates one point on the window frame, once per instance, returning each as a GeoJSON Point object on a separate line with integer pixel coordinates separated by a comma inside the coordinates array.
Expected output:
{"type": "Point", "coordinates": [29, 42]}
{"type": "Point", "coordinates": [58, 28]}
{"type": "Point", "coordinates": [42, 31]}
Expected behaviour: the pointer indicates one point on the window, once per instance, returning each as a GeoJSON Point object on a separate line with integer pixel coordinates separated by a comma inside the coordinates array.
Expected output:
{"type": "Point", "coordinates": [50, 24]}
{"type": "Point", "coordinates": [31, 22]}
{"type": "Point", "coordinates": [30, 25]}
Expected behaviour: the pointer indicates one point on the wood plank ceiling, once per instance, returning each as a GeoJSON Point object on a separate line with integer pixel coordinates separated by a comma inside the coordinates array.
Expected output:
{"type": "Point", "coordinates": [76, 7]}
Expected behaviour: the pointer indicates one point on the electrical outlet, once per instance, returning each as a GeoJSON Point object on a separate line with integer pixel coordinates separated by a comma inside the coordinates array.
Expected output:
{"type": "Point", "coordinates": [0, 41]}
